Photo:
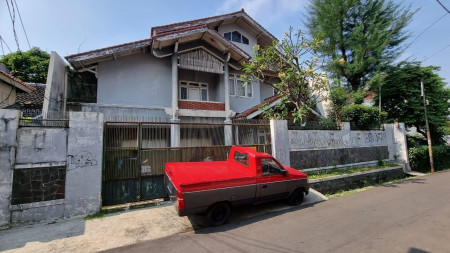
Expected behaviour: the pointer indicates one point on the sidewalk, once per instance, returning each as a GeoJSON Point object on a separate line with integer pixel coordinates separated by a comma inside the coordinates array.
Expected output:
{"type": "Point", "coordinates": [120, 229]}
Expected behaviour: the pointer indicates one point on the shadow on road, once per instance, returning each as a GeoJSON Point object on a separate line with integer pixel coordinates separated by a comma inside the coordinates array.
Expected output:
{"type": "Point", "coordinates": [408, 181]}
{"type": "Point", "coordinates": [9, 238]}
{"type": "Point", "coordinates": [242, 216]}
{"type": "Point", "coordinates": [414, 250]}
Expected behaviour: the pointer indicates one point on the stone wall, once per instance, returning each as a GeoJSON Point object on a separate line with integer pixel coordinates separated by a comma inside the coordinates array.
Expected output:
{"type": "Point", "coordinates": [335, 184]}
{"type": "Point", "coordinates": [329, 157]}
{"type": "Point", "coordinates": [38, 184]}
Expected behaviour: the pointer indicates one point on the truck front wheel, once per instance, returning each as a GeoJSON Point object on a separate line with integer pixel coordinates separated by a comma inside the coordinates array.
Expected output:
{"type": "Point", "coordinates": [296, 197]}
{"type": "Point", "coordinates": [218, 214]}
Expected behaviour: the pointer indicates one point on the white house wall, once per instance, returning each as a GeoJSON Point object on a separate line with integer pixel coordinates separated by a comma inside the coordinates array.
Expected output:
{"type": "Point", "coordinates": [240, 104]}
{"type": "Point", "coordinates": [141, 80]}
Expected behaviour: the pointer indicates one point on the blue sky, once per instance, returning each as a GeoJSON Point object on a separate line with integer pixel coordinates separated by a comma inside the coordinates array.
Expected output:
{"type": "Point", "coordinates": [69, 27]}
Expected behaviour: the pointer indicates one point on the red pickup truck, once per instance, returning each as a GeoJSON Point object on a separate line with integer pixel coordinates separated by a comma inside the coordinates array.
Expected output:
{"type": "Point", "coordinates": [248, 177]}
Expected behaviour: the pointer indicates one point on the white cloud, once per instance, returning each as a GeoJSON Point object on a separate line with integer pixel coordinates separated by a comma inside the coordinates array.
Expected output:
{"type": "Point", "coordinates": [266, 11]}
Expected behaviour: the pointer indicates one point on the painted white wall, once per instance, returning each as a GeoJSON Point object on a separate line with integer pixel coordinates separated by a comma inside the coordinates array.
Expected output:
{"type": "Point", "coordinates": [234, 27]}
{"type": "Point", "coordinates": [141, 79]}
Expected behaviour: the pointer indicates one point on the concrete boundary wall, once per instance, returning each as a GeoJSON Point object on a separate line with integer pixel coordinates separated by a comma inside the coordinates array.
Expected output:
{"type": "Point", "coordinates": [76, 152]}
{"type": "Point", "coordinates": [322, 148]}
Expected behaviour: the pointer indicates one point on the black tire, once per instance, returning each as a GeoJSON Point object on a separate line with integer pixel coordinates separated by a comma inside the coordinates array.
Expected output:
{"type": "Point", "coordinates": [218, 214]}
{"type": "Point", "coordinates": [296, 197]}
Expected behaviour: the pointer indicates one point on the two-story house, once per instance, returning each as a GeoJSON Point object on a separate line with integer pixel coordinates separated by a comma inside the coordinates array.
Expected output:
{"type": "Point", "coordinates": [184, 71]}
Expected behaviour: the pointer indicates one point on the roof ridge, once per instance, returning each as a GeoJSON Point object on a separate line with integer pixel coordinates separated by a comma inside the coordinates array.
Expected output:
{"type": "Point", "coordinates": [195, 20]}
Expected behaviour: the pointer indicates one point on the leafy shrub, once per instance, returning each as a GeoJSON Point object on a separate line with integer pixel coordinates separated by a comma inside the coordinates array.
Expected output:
{"type": "Point", "coordinates": [364, 117]}
{"type": "Point", "coordinates": [327, 124]}
{"type": "Point", "coordinates": [420, 160]}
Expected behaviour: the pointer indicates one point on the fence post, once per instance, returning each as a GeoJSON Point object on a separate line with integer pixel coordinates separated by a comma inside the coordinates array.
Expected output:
{"type": "Point", "coordinates": [174, 133]}
{"type": "Point", "coordinates": [280, 141]}
{"type": "Point", "coordinates": [228, 133]}
{"type": "Point", "coordinates": [84, 163]}
{"type": "Point", "coordinates": [396, 138]}
{"type": "Point", "coordinates": [9, 122]}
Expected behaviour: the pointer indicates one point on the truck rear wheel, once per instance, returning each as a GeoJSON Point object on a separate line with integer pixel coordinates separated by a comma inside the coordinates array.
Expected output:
{"type": "Point", "coordinates": [296, 197]}
{"type": "Point", "coordinates": [218, 214]}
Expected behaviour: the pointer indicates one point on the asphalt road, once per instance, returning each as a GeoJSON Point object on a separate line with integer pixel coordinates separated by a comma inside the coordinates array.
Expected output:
{"type": "Point", "coordinates": [412, 216]}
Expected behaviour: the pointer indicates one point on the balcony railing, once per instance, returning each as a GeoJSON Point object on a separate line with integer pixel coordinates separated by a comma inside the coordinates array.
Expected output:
{"type": "Point", "coordinates": [201, 105]}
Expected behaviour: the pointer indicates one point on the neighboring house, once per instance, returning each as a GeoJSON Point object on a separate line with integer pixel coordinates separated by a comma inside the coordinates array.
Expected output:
{"type": "Point", "coordinates": [10, 88]}
{"type": "Point", "coordinates": [30, 103]}
{"type": "Point", "coordinates": [184, 71]}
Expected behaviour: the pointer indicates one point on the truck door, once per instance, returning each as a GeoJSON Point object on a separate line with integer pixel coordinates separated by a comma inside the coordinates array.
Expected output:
{"type": "Point", "coordinates": [272, 183]}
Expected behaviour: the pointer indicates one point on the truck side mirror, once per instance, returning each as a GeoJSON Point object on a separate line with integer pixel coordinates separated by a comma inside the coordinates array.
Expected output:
{"type": "Point", "coordinates": [284, 173]}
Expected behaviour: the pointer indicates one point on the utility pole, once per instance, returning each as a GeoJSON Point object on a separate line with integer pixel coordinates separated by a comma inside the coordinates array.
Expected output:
{"type": "Point", "coordinates": [430, 150]}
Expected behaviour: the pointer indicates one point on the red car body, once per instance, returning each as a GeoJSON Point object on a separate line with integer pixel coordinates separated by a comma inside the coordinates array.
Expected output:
{"type": "Point", "coordinates": [247, 177]}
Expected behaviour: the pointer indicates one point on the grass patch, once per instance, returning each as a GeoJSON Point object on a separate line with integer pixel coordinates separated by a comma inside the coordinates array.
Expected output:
{"type": "Point", "coordinates": [335, 171]}
{"type": "Point", "coordinates": [102, 213]}
{"type": "Point", "coordinates": [350, 192]}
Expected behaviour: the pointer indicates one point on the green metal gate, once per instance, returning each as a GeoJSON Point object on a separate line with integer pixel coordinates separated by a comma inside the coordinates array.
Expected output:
{"type": "Point", "coordinates": [135, 153]}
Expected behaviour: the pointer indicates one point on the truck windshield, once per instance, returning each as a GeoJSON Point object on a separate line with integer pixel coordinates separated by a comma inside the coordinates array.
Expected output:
{"type": "Point", "coordinates": [270, 167]}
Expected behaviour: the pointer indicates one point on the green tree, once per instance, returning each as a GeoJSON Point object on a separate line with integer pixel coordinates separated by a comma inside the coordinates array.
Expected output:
{"type": "Point", "coordinates": [401, 97]}
{"type": "Point", "coordinates": [291, 68]}
{"type": "Point", "coordinates": [30, 66]}
{"type": "Point", "coordinates": [358, 36]}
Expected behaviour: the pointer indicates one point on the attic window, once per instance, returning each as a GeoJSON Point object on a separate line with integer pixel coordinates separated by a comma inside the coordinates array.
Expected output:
{"type": "Point", "coordinates": [236, 37]}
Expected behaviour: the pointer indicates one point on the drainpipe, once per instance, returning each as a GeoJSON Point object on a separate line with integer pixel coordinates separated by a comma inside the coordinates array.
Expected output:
{"type": "Point", "coordinates": [175, 128]}
{"type": "Point", "coordinates": [228, 129]}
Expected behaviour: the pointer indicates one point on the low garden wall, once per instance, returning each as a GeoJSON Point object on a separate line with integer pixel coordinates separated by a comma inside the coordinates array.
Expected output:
{"type": "Point", "coordinates": [334, 184]}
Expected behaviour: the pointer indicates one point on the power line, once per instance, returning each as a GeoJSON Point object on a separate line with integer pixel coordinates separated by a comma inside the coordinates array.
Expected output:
{"type": "Point", "coordinates": [442, 49]}
{"type": "Point", "coordinates": [445, 8]}
{"type": "Point", "coordinates": [1, 39]}
{"type": "Point", "coordinates": [428, 28]}
{"type": "Point", "coordinates": [13, 18]}
{"type": "Point", "coordinates": [23, 27]}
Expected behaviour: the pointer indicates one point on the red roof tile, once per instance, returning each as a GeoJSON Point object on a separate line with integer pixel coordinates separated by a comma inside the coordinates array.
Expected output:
{"type": "Point", "coordinates": [16, 80]}
{"type": "Point", "coordinates": [35, 97]}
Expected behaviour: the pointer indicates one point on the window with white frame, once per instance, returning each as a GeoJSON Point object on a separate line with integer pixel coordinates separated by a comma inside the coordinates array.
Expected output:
{"type": "Point", "coordinates": [236, 37]}
{"type": "Point", "coordinates": [237, 88]}
{"type": "Point", "coordinates": [193, 91]}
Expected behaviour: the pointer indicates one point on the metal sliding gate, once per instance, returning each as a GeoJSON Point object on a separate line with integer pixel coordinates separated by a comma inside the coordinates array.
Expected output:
{"type": "Point", "coordinates": [135, 153]}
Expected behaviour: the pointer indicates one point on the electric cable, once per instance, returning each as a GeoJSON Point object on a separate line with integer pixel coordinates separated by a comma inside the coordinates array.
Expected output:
{"type": "Point", "coordinates": [13, 18]}
{"type": "Point", "coordinates": [23, 27]}
{"type": "Point", "coordinates": [440, 50]}
{"type": "Point", "coordinates": [1, 38]}
{"type": "Point", "coordinates": [445, 8]}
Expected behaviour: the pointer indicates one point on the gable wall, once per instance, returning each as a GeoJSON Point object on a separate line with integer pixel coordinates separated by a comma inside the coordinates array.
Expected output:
{"type": "Point", "coordinates": [233, 27]}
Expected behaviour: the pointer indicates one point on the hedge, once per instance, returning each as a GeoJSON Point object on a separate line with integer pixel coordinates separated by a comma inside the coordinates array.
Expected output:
{"type": "Point", "coordinates": [420, 160]}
